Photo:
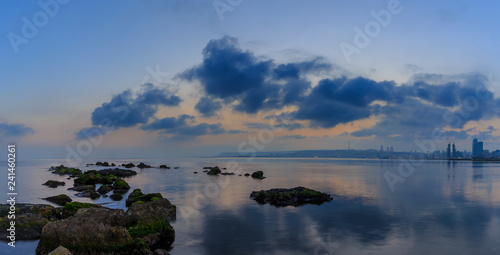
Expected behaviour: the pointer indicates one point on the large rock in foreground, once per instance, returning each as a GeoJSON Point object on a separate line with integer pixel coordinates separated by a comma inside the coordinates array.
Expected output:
{"type": "Point", "coordinates": [91, 231]}
{"type": "Point", "coordinates": [149, 222]}
{"type": "Point", "coordinates": [30, 220]}
{"type": "Point", "coordinates": [295, 196]}
{"type": "Point", "coordinates": [61, 250]}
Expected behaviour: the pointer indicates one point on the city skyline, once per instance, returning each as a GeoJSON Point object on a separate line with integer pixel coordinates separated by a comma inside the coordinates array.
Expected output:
{"type": "Point", "coordinates": [183, 78]}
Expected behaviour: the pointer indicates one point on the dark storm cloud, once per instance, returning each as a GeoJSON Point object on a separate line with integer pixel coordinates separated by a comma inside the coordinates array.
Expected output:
{"type": "Point", "coordinates": [231, 74]}
{"type": "Point", "coordinates": [183, 125]}
{"type": "Point", "coordinates": [14, 130]}
{"type": "Point", "coordinates": [128, 110]}
{"type": "Point", "coordinates": [343, 100]}
{"type": "Point", "coordinates": [208, 107]}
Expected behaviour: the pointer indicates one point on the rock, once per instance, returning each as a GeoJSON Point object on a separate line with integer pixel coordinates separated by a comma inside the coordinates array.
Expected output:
{"type": "Point", "coordinates": [82, 188]}
{"type": "Point", "coordinates": [164, 167]}
{"type": "Point", "coordinates": [247, 174]}
{"type": "Point", "coordinates": [129, 165]}
{"type": "Point", "coordinates": [65, 170]}
{"type": "Point", "coordinates": [104, 189]}
{"type": "Point", "coordinates": [176, 167]}
{"type": "Point", "coordinates": [135, 193]}
{"type": "Point", "coordinates": [116, 197]}
{"type": "Point", "coordinates": [59, 199]}
{"type": "Point", "coordinates": [207, 167]}
{"type": "Point", "coordinates": [117, 172]}
{"type": "Point", "coordinates": [227, 173]}
{"type": "Point", "coordinates": [195, 172]}
{"type": "Point", "coordinates": [120, 186]}
{"type": "Point", "coordinates": [30, 219]}
{"type": "Point", "coordinates": [149, 222]}
{"type": "Point", "coordinates": [142, 165]}
{"type": "Point", "coordinates": [142, 198]}
{"type": "Point", "coordinates": [205, 171]}
{"type": "Point", "coordinates": [295, 196]}
{"type": "Point", "coordinates": [214, 171]}
{"type": "Point", "coordinates": [98, 164]}
{"type": "Point", "coordinates": [113, 164]}
{"type": "Point", "coordinates": [88, 193]}
{"type": "Point", "coordinates": [61, 250]}
{"type": "Point", "coordinates": [105, 164]}
{"type": "Point", "coordinates": [258, 175]}
{"type": "Point", "coordinates": [91, 231]}
{"type": "Point", "coordinates": [87, 178]}
{"type": "Point", "coordinates": [71, 208]}
{"type": "Point", "coordinates": [54, 184]}
{"type": "Point", "coordinates": [239, 175]}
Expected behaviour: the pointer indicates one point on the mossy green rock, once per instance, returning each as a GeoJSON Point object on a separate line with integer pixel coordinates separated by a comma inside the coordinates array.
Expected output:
{"type": "Point", "coordinates": [71, 208]}
{"type": "Point", "coordinates": [120, 186]}
{"type": "Point", "coordinates": [294, 196]}
{"type": "Point", "coordinates": [53, 183]}
{"type": "Point", "coordinates": [149, 222]}
{"type": "Point", "coordinates": [91, 231]}
{"type": "Point", "coordinates": [59, 199]}
{"type": "Point", "coordinates": [214, 171]}
{"type": "Point", "coordinates": [144, 198]}
{"type": "Point", "coordinates": [30, 219]}
{"type": "Point", "coordinates": [104, 189]}
{"type": "Point", "coordinates": [65, 170]}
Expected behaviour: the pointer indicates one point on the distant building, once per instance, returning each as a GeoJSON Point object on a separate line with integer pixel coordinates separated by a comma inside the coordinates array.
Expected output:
{"type": "Point", "coordinates": [448, 151]}
{"type": "Point", "coordinates": [480, 151]}
{"type": "Point", "coordinates": [392, 149]}
{"type": "Point", "coordinates": [475, 148]}
{"type": "Point", "coordinates": [381, 148]}
{"type": "Point", "coordinates": [454, 153]}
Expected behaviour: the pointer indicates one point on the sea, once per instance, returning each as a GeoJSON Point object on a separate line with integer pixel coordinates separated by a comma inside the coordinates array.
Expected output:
{"type": "Point", "coordinates": [379, 206]}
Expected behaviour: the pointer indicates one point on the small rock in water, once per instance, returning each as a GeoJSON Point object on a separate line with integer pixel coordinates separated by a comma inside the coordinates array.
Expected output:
{"type": "Point", "coordinates": [54, 184]}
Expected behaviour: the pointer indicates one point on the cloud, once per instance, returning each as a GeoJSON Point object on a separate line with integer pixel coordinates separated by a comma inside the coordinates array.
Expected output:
{"type": "Point", "coordinates": [248, 83]}
{"type": "Point", "coordinates": [289, 126]}
{"type": "Point", "coordinates": [128, 109]}
{"type": "Point", "coordinates": [14, 130]}
{"type": "Point", "coordinates": [183, 125]}
{"type": "Point", "coordinates": [208, 107]}
{"type": "Point", "coordinates": [343, 100]}
{"type": "Point", "coordinates": [289, 137]}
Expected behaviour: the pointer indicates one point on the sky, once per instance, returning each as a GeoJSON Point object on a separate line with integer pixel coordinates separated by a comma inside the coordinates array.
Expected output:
{"type": "Point", "coordinates": [145, 79]}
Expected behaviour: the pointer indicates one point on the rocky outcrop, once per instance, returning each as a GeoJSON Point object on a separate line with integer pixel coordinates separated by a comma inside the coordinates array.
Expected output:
{"type": "Point", "coordinates": [88, 193]}
{"type": "Point", "coordinates": [214, 171]}
{"type": "Point", "coordinates": [71, 208]}
{"type": "Point", "coordinates": [120, 186]}
{"type": "Point", "coordinates": [117, 172]}
{"type": "Point", "coordinates": [82, 188]}
{"type": "Point", "coordinates": [138, 197]}
{"type": "Point", "coordinates": [142, 165]}
{"type": "Point", "coordinates": [54, 184]}
{"type": "Point", "coordinates": [294, 197]}
{"type": "Point", "coordinates": [65, 170]}
{"type": "Point", "coordinates": [149, 222]}
{"type": "Point", "coordinates": [91, 231]}
{"type": "Point", "coordinates": [164, 167]}
{"type": "Point", "coordinates": [30, 219]}
{"type": "Point", "coordinates": [59, 199]}
{"type": "Point", "coordinates": [129, 165]}
{"type": "Point", "coordinates": [116, 197]}
{"type": "Point", "coordinates": [258, 175]}
{"type": "Point", "coordinates": [104, 189]}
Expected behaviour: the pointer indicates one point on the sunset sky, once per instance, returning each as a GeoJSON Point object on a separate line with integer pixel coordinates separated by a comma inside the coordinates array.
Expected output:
{"type": "Point", "coordinates": [197, 78]}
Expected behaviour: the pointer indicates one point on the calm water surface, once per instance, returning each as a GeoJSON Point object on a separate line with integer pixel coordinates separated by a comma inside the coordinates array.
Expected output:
{"type": "Point", "coordinates": [440, 208]}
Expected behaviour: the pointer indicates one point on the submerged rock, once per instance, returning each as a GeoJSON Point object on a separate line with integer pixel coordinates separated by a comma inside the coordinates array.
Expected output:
{"type": "Point", "coordinates": [247, 174]}
{"type": "Point", "coordinates": [258, 175]}
{"type": "Point", "coordinates": [104, 189]}
{"type": "Point", "coordinates": [59, 199]}
{"type": "Point", "coordinates": [30, 219]}
{"type": "Point", "coordinates": [164, 167]}
{"type": "Point", "coordinates": [294, 196]}
{"type": "Point", "coordinates": [54, 184]}
{"type": "Point", "coordinates": [116, 197]}
{"type": "Point", "coordinates": [214, 171]}
{"type": "Point", "coordinates": [91, 231]}
{"type": "Point", "coordinates": [142, 165]}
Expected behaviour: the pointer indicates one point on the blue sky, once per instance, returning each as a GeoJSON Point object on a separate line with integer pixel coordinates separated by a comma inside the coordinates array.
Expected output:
{"type": "Point", "coordinates": [85, 54]}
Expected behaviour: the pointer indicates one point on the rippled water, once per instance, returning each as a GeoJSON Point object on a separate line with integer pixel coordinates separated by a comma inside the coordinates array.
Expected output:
{"type": "Point", "coordinates": [441, 208]}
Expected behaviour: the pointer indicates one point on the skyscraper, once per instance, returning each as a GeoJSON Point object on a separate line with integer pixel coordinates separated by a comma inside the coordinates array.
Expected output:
{"type": "Point", "coordinates": [454, 154]}
{"type": "Point", "coordinates": [480, 150]}
{"type": "Point", "coordinates": [474, 148]}
{"type": "Point", "coordinates": [448, 151]}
